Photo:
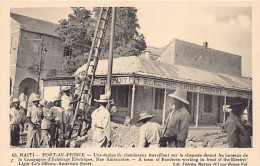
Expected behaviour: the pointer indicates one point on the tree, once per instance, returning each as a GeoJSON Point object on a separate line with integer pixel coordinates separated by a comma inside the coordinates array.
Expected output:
{"type": "Point", "coordinates": [77, 33]}
{"type": "Point", "coordinates": [127, 40]}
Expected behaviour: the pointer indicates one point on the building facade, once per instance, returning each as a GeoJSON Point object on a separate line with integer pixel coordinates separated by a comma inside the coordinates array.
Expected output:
{"type": "Point", "coordinates": [143, 83]}
{"type": "Point", "coordinates": [32, 40]}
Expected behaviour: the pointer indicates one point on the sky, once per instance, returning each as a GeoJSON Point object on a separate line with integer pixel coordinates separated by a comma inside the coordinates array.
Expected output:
{"type": "Point", "coordinates": [227, 29]}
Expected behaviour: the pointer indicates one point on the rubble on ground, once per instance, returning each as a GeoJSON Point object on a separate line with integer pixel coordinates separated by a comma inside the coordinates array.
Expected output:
{"type": "Point", "coordinates": [215, 139]}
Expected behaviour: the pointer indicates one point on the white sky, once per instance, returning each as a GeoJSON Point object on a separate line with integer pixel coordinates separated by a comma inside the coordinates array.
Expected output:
{"type": "Point", "coordinates": [226, 29]}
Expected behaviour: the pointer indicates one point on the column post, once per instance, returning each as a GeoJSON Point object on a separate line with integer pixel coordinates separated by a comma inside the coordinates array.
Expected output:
{"type": "Point", "coordinates": [197, 108]}
{"type": "Point", "coordinates": [164, 106]}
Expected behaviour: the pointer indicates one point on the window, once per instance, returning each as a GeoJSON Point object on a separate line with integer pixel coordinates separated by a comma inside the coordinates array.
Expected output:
{"type": "Point", "coordinates": [67, 51]}
{"type": "Point", "coordinates": [120, 95]}
{"type": "Point", "coordinates": [208, 103]}
{"type": "Point", "coordinates": [159, 97]}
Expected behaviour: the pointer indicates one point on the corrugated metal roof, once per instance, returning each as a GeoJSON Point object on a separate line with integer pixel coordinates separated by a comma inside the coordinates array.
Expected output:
{"type": "Point", "coordinates": [141, 66]}
{"type": "Point", "coordinates": [35, 25]}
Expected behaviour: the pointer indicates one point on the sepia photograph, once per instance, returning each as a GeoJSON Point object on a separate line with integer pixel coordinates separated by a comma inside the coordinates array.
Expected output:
{"type": "Point", "coordinates": [149, 76]}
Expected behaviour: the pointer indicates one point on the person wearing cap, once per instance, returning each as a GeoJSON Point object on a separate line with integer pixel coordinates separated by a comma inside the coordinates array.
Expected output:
{"type": "Point", "coordinates": [150, 132]}
{"type": "Point", "coordinates": [57, 113]}
{"type": "Point", "coordinates": [237, 135]}
{"type": "Point", "coordinates": [46, 123]}
{"type": "Point", "coordinates": [34, 117]}
{"type": "Point", "coordinates": [178, 120]}
{"type": "Point", "coordinates": [17, 120]}
{"type": "Point", "coordinates": [101, 124]}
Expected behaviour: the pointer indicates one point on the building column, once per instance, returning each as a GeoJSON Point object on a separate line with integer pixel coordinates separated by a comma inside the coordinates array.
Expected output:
{"type": "Point", "coordinates": [132, 104]}
{"type": "Point", "coordinates": [164, 106]}
{"type": "Point", "coordinates": [197, 112]}
{"type": "Point", "coordinates": [224, 112]}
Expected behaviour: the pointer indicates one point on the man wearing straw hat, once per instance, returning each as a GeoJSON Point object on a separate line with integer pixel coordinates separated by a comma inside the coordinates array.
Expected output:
{"type": "Point", "coordinates": [57, 113]}
{"type": "Point", "coordinates": [101, 124]}
{"type": "Point", "coordinates": [17, 119]}
{"type": "Point", "coordinates": [178, 119]}
{"type": "Point", "coordinates": [150, 132]}
{"type": "Point", "coordinates": [34, 117]}
{"type": "Point", "coordinates": [237, 135]}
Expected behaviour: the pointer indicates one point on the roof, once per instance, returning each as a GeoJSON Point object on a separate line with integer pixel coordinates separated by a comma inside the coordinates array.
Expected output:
{"type": "Point", "coordinates": [35, 25]}
{"type": "Point", "coordinates": [155, 51]}
{"type": "Point", "coordinates": [133, 65]}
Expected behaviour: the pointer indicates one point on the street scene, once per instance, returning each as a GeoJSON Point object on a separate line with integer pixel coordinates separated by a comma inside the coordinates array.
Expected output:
{"type": "Point", "coordinates": [127, 77]}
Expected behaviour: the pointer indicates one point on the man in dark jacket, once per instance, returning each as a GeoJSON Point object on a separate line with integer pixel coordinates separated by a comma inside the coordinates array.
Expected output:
{"type": "Point", "coordinates": [237, 135]}
{"type": "Point", "coordinates": [178, 120]}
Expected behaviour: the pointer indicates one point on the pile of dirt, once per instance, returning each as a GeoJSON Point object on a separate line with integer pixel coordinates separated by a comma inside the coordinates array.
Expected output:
{"type": "Point", "coordinates": [124, 135]}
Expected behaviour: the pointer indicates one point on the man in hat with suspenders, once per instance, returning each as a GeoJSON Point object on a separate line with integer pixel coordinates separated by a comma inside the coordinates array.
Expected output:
{"type": "Point", "coordinates": [178, 119]}
{"type": "Point", "coordinates": [34, 117]}
{"type": "Point", "coordinates": [150, 132]}
{"type": "Point", "coordinates": [17, 119]}
{"type": "Point", "coordinates": [237, 135]}
{"type": "Point", "coordinates": [101, 124]}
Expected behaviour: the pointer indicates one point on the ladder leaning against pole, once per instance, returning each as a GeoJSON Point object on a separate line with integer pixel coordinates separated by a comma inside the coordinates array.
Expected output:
{"type": "Point", "coordinates": [94, 50]}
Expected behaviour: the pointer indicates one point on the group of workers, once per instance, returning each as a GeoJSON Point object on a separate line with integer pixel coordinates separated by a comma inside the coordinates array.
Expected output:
{"type": "Point", "coordinates": [48, 121]}
{"type": "Point", "coordinates": [177, 125]}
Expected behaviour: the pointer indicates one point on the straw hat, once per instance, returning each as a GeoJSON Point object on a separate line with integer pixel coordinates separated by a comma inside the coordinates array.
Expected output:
{"type": "Point", "coordinates": [145, 115]}
{"type": "Point", "coordinates": [180, 95]}
{"type": "Point", "coordinates": [56, 99]}
{"type": "Point", "coordinates": [43, 102]}
{"type": "Point", "coordinates": [102, 99]}
{"type": "Point", "coordinates": [35, 97]}
{"type": "Point", "coordinates": [16, 100]}
{"type": "Point", "coordinates": [66, 89]}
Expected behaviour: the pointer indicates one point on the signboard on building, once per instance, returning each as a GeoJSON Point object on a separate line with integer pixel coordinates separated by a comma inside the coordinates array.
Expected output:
{"type": "Point", "coordinates": [156, 83]}
{"type": "Point", "coordinates": [191, 88]}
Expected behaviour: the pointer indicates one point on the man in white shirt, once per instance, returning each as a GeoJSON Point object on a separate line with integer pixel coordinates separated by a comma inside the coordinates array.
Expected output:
{"type": "Point", "coordinates": [101, 124]}
{"type": "Point", "coordinates": [17, 119]}
{"type": "Point", "coordinates": [58, 115]}
{"type": "Point", "coordinates": [150, 132]}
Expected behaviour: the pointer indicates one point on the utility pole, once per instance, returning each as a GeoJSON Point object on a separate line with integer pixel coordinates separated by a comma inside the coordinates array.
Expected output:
{"type": "Point", "coordinates": [110, 57]}
{"type": "Point", "coordinates": [40, 65]}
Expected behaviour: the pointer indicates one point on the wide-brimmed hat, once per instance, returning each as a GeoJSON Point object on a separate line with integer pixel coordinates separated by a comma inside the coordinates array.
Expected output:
{"type": "Point", "coordinates": [145, 115]}
{"type": "Point", "coordinates": [102, 99]}
{"type": "Point", "coordinates": [43, 102]}
{"type": "Point", "coordinates": [180, 95]}
{"type": "Point", "coordinates": [67, 88]}
{"type": "Point", "coordinates": [16, 100]}
{"type": "Point", "coordinates": [56, 99]}
{"type": "Point", "coordinates": [35, 97]}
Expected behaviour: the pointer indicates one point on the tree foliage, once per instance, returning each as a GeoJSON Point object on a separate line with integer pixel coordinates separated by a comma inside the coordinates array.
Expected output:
{"type": "Point", "coordinates": [78, 30]}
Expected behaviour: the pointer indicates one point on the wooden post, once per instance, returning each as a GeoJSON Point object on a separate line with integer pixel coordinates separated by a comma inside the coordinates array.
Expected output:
{"type": "Point", "coordinates": [224, 112]}
{"type": "Point", "coordinates": [110, 57]}
{"type": "Point", "coordinates": [164, 106]}
{"type": "Point", "coordinates": [197, 112]}
{"type": "Point", "coordinates": [132, 104]}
